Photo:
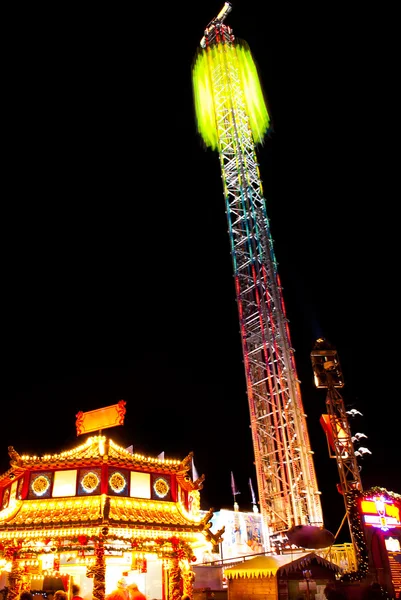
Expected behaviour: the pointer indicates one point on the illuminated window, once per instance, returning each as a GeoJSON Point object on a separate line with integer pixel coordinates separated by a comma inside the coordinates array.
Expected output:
{"type": "Point", "coordinates": [140, 485]}
{"type": "Point", "coordinates": [65, 483]}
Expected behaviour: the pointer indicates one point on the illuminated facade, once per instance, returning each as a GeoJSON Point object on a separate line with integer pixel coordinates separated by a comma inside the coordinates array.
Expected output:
{"type": "Point", "coordinates": [99, 512]}
{"type": "Point", "coordinates": [380, 516]}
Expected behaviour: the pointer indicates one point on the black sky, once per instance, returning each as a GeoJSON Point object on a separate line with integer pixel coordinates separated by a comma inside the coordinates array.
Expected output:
{"type": "Point", "coordinates": [117, 277]}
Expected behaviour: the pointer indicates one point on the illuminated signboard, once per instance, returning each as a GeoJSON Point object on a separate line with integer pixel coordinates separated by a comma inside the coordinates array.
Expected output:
{"type": "Point", "coordinates": [381, 511]}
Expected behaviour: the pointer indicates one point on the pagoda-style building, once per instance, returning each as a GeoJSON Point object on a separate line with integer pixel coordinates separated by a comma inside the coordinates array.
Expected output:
{"type": "Point", "coordinates": [99, 512]}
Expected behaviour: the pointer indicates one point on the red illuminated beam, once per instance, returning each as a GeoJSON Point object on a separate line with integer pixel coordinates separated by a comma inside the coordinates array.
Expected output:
{"type": "Point", "coordinates": [341, 435]}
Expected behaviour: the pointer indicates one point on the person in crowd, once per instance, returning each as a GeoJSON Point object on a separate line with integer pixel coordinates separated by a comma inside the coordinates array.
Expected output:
{"type": "Point", "coordinates": [375, 592]}
{"type": "Point", "coordinates": [185, 597]}
{"type": "Point", "coordinates": [121, 592]}
{"type": "Point", "coordinates": [134, 593]}
{"type": "Point", "coordinates": [331, 593]}
{"type": "Point", "coordinates": [60, 595]}
{"type": "Point", "coordinates": [75, 589]}
{"type": "Point", "coordinates": [25, 595]}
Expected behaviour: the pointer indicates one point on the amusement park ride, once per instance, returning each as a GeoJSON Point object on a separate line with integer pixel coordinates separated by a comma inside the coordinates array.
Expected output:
{"type": "Point", "coordinates": [100, 512]}
{"type": "Point", "coordinates": [232, 118]}
{"type": "Point", "coordinates": [328, 375]}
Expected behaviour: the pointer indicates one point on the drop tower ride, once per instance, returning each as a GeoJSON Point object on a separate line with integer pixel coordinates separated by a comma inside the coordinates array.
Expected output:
{"type": "Point", "coordinates": [232, 118]}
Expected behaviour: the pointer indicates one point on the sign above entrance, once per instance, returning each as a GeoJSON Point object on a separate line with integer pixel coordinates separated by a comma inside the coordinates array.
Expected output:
{"type": "Point", "coordinates": [102, 418]}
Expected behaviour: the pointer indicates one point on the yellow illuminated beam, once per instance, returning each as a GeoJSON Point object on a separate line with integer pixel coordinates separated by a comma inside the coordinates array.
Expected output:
{"type": "Point", "coordinates": [217, 57]}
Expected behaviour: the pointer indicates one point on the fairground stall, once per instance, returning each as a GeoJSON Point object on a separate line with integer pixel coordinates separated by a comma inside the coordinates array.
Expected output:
{"type": "Point", "coordinates": [379, 512]}
{"type": "Point", "coordinates": [99, 512]}
{"type": "Point", "coordinates": [280, 577]}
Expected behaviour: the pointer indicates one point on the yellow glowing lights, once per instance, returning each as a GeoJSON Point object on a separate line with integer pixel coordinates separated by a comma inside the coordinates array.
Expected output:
{"type": "Point", "coordinates": [90, 482]}
{"type": "Point", "coordinates": [54, 533]}
{"type": "Point", "coordinates": [232, 68]}
{"type": "Point", "coordinates": [12, 508]}
{"type": "Point", "coordinates": [87, 449]}
{"type": "Point", "coordinates": [117, 482]}
{"type": "Point", "coordinates": [255, 103]}
{"type": "Point", "coordinates": [40, 485]}
{"type": "Point", "coordinates": [142, 457]}
{"type": "Point", "coordinates": [67, 454]}
{"type": "Point", "coordinates": [204, 102]}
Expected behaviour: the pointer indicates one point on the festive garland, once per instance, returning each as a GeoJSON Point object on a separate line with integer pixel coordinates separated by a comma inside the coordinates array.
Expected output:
{"type": "Point", "coordinates": [188, 578]}
{"type": "Point", "coordinates": [98, 572]}
{"type": "Point", "coordinates": [361, 549]}
{"type": "Point", "coordinates": [174, 581]}
{"type": "Point", "coordinates": [179, 549]}
{"type": "Point", "coordinates": [357, 532]}
{"type": "Point", "coordinates": [382, 491]}
{"type": "Point", "coordinates": [172, 547]}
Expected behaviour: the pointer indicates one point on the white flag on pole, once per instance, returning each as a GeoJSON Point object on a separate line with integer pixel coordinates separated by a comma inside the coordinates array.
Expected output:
{"type": "Point", "coordinates": [195, 475]}
{"type": "Point", "coordinates": [233, 486]}
{"type": "Point", "coordinates": [252, 492]}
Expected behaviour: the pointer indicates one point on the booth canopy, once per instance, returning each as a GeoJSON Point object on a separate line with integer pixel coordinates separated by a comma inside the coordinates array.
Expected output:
{"type": "Point", "coordinates": [267, 566]}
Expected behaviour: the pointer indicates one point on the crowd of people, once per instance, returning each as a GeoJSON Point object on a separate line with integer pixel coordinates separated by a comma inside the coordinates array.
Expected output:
{"type": "Point", "coordinates": [123, 591]}
{"type": "Point", "coordinates": [126, 591]}
{"type": "Point", "coordinates": [130, 591]}
{"type": "Point", "coordinates": [373, 592]}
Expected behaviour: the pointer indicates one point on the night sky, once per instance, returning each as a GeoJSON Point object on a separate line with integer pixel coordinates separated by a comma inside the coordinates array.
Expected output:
{"type": "Point", "coordinates": [116, 272]}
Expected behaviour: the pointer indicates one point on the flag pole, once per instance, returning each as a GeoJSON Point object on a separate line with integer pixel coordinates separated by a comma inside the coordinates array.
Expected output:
{"type": "Point", "coordinates": [234, 491]}
{"type": "Point", "coordinates": [254, 503]}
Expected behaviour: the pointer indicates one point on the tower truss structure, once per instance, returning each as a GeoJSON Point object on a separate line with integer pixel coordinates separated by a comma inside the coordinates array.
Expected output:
{"type": "Point", "coordinates": [328, 375]}
{"type": "Point", "coordinates": [232, 119]}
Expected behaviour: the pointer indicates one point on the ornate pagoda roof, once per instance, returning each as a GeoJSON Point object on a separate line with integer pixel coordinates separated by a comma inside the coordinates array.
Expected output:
{"type": "Point", "coordinates": [95, 451]}
{"type": "Point", "coordinates": [26, 517]}
{"type": "Point", "coordinates": [94, 511]}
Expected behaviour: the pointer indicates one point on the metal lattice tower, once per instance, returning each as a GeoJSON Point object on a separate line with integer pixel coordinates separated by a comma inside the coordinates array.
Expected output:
{"type": "Point", "coordinates": [287, 487]}
{"type": "Point", "coordinates": [328, 375]}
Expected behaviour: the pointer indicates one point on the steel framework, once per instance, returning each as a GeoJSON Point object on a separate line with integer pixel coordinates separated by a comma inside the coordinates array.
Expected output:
{"type": "Point", "coordinates": [328, 375]}
{"type": "Point", "coordinates": [287, 486]}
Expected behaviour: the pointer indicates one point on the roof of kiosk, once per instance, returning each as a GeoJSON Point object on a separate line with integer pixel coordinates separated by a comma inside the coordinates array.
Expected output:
{"type": "Point", "coordinates": [267, 566]}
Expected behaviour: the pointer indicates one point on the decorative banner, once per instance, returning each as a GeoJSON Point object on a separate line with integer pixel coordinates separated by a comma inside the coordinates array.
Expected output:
{"type": "Point", "coordinates": [342, 437]}
{"type": "Point", "coordinates": [102, 418]}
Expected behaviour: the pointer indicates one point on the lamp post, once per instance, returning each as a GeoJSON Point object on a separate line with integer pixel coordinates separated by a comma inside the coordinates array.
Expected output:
{"type": "Point", "coordinates": [307, 576]}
